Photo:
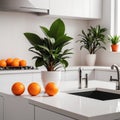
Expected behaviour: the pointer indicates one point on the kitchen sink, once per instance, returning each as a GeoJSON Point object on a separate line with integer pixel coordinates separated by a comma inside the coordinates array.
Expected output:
{"type": "Point", "coordinates": [97, 94]}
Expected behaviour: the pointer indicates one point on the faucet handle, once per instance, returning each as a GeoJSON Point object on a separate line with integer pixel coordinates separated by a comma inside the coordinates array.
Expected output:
{"type": "Point", "coordinates": [111, 79]}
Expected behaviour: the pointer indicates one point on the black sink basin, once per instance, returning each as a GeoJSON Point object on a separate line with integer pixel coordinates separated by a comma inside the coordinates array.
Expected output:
{"type": "Point", "coordinates": [96, 94]}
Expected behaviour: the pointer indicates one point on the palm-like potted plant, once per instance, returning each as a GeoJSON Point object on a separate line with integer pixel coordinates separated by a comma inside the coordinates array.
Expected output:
{"type": "Point", "coordinates": [115, 39]}
{"type": "Point", "coordinates": [92, 41]}
{"type": "Point", "coordinates": [49, 50]}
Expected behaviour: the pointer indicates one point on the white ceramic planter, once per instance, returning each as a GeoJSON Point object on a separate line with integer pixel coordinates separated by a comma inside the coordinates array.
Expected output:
{"type": "Point", "coordinates": [51, 76]}
{"type": "Point", "coordinates": [90, 59]}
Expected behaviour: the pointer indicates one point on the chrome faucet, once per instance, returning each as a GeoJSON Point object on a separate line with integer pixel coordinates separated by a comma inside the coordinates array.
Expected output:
{"type": "Point", "coordinates": [118, 76]}
{"type": "Point", "coordinates": [80, 79]}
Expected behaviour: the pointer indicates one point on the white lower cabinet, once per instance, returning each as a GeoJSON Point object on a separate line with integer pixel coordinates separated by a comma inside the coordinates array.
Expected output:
{"type": "Point", "coordinates": [17, 108]}
{"type": "Point", "coordinates": [1, 108]}
{"type": "Point", "coordinates": [43, 114]}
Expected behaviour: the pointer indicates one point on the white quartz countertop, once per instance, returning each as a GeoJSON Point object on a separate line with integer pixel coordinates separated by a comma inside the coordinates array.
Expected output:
{"type": "Point", "coordinates": [78, 107]}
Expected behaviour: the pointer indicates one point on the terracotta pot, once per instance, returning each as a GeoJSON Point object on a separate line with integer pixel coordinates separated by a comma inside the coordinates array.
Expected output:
{"type": "Point", "coordinates": [115, 47]}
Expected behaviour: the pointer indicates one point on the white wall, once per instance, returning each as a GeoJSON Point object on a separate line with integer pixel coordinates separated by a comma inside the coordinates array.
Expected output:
{"type": "Point", "coordinates": [106, 58]}
{"type": "Point", "coordinates": [14, 44]}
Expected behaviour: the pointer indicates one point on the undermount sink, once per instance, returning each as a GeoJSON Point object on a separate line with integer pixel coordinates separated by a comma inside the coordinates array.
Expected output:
{"type": "Point", "coordinates": [97, 94]}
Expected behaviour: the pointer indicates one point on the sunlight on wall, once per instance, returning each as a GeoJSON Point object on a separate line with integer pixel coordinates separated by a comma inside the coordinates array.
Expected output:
{"type": "Point", "coordinates": [118, 17]}
{"type": "Point", "coordinates": [115, 18]}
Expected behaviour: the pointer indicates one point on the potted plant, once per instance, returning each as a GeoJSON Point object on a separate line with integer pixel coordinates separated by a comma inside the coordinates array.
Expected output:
{"type": "Point", "coordinates": [115, 39]}
{"type": "Point", "coordinates": [49, 50]}
{"type": "Point", "coordinates": [92, 40]}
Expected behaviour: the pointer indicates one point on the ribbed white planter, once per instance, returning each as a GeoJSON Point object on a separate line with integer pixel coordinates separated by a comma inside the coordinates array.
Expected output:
{"type": "Point", "coordinates": [90, 59]}
{"type": "Point", "coordinates": [50, 76]}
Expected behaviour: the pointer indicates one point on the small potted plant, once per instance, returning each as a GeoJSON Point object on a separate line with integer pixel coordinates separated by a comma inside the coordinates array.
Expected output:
{"type": "Point", "coordinates": [49, 50]}
{"type": "Point", "coordinates": [115, 39]}
{"type": "Point", "coordinates": [92, 40]}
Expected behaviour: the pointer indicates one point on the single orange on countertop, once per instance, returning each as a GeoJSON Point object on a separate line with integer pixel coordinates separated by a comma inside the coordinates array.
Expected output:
{"type": "Point", "coordinates": [34, 89]}
{"type": "Point", "coordinates": [18, 88]}
{"type": "Point", "coordinates": [3, 63]}
{"type": "Point", "coordinates": [51, 89]}
{"type": "Point", "coordinates": [23, 63]}
{"type": "Point", "coordinates": [9, 61]}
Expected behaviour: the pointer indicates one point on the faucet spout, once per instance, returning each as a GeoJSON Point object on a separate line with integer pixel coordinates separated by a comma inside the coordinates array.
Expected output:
{"type": "Point", "coordinates": [118, 76]}
{"type": "Point", "coordinates": [117, 69]}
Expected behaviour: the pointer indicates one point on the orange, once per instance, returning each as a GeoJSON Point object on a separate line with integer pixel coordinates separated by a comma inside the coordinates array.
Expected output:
{"type": "Point", "coordinates": [51, 89]}
{"type": "Point", "coordinates": [18, 88]}
{"type": "Point", "coordinates": [9, 61]}
{"type": "Point", "coordinates": [3, 63]}
{"type": "Point", "coordinates": [15, 63]}
{"type": "Point", "coordinates": [23, 63]}
{"type": "Point", "coordinates": [34, 89]}
{"type": "Point", "coordinates": [16, 59]}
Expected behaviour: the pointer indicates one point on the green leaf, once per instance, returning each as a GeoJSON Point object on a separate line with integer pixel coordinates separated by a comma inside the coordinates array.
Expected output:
{"type": "Point", "coordinates": [43, 47]}
{"type": "Point", "coordinates": [39, 62]}
{"type": "Point", "coordinates": [31, 49]}
{"type": "Point", "coordinates": [64, 62]}
{"type": "Point", "coordinates": [34, 39]}
{"type": "Point", "coordinates": [62, 40]}
{"type": "Point", "coordinates": [57, 29]}
{"type": "Point", "coordinates": [45, 30]}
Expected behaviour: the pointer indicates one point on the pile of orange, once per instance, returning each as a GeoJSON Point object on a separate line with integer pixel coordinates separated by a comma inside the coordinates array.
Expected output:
{"type": "Point", "coordinates": [15, 62]}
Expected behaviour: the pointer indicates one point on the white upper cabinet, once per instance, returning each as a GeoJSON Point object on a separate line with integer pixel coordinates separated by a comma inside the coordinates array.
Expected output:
{"type": "Point", "coordinates": [95, 8]}
{"type": "Point", "coordinates": [89, 9]}
{"type": "Point", "coordinates": [42, 4]}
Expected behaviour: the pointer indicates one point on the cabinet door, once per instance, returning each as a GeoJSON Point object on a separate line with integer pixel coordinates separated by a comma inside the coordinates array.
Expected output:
{"type": "Point", "coordinates": [68, 7]}
{"type": "Point", "coordinates": [76, 8]}
{"type": "Point", "coordinates": [95, 8]}
{"type": "Point", "coordinates": [42, 114]}
{"type": "Point", "coordinates": [1, 108]}
{"type": "Point", "coordinates": [17, 108]}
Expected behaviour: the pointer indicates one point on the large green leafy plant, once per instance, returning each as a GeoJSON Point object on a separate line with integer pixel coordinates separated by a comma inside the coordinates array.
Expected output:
{"type": "Point", "coordinates": [49, 50]}
{"type": "Point", "coordinates": [93, 40]}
